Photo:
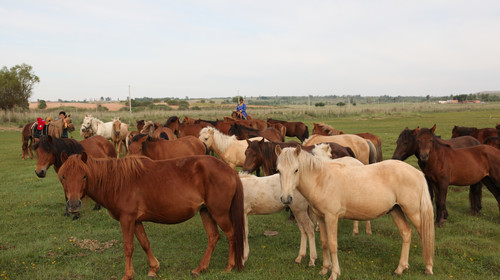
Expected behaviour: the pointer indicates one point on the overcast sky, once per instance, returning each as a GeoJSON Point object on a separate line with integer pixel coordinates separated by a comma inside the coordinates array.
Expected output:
{"type": "Point", "coordinates": [88, 49]}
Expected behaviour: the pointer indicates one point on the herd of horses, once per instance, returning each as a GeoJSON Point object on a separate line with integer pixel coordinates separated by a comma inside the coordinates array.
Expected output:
{"type": "Point", "coordinates": [327, 176]}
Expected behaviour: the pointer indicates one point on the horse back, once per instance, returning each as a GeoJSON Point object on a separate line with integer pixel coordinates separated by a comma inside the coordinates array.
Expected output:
{"type": "Point", "coordinates": [98, 146]}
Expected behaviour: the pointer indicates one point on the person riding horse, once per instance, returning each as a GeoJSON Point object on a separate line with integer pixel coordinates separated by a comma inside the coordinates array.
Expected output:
{"type": "Point", "coordinates": [241, 110]}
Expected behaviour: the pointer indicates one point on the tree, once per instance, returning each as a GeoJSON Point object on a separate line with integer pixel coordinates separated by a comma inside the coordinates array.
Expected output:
{"type": "Point", "coordinates": [42, 104]}
{"type": "Point", "coordinates": [16, 86]}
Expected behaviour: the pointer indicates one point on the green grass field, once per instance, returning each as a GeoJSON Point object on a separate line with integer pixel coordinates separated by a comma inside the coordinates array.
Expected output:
{"type": "Point", "coordinates": [38, 242]}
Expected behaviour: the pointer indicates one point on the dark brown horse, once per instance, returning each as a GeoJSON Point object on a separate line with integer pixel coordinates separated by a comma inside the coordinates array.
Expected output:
{"type": "Point", "coordinates": [243, 132]}
{"type": "Point", "coordinates": [49, 150]}
{"type": "Point", "coordinates": [324, 129]}
{"type": "Point", "coordinates": [479, 133]}
{"type": "Point", "coordinates": [446, 166]}
{"type": "Point", "coordinates": [492, 141]}
{"type": "Point", "coordinates": [137, 189]}
{"type": "Point", "coordinates": [174, 124]}
{"type": "Point", "coordinates": [293, 129]}
{"type": "Point", "coordinates": [27, 140]}
{"type": "Point", "coordinates": [159, 149]}
{"type": "Point", "coordinates": [407, 145]}
{"type": "Point", "coordinates": [262, 154]}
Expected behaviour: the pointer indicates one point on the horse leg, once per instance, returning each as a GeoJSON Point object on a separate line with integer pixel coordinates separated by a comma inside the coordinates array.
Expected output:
{"type": "Point", "coordinates": [355, 228]}
{"type": "Point", "coordinates": [475, 195]}
{"type": "Point", "coordinates": [494, 188]}
{"type": "Point", "coordinates": [441, 212]}
{"type": "Point", "coordinates": [306, 228]}
{"type": "Point", "coordinates": [405, 231]}
{"type": "Point", "coordinates": [140, 233]}
{"type": "Point", "coordinates": [327, 263]}
{"type": "Point", "coordinates": [97, 206]}
{"type": "Point", "coordinates": [30, 149]}
{"type": "Point", "coordinates": [246, 247]}
{"type": "Point", "coordinates": [331, 232]}
{"type": "Point", "coordinates": [128, 228]}
{"type": "Point", "coordinates": [368, 229]}
{"type": "Point", "coordinates": [212, 236]}
{"type": "Point", "coordinates": [25, 148]}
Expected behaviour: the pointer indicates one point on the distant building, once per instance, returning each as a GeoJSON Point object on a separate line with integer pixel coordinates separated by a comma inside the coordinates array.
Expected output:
{"type": "Point", "coordinates": [454, 101]}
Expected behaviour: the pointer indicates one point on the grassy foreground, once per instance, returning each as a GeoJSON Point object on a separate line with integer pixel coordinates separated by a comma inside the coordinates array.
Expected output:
{"type": "Point", "coordinates": [38, 242]}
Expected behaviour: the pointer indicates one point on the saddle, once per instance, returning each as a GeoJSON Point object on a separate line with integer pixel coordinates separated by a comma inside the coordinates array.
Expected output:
{"type": "Point", "coordinates": [39, 128]}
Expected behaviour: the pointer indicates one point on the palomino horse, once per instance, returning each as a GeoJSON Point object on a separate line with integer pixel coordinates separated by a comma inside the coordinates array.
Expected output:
{"type": "Point", "coordinates": [244, 132]}
{"type": "Point", "coordinates": [343, 191]}
{"type": "Point", "coordinates": [262, 197]}
{"type": "Point", "coordinates": [446, 166]}
{"type": "Point", "coordinates": [48, 151]}
{"type": "Point", "coordinates": [407, 145]}
{"type": "Point", "coordinates": [293, 129]}
{"type": "Point", "coordinates": [157, 148]}
{"type": "Point", "coordinates": [479, 133]}
{"type": "Point", "coordinates": [119, 136]}
{"type": "Point", "coordinates": [93, 126]}
{"type": "Point", "coordinates": [137, 189]}
{"type": "Point", "coordinates": [324, 129]}
{"type": "Point", "coordinates": [363, 149]}
{"type": "Point", "coordinates": [229, 149]}
{"type": "Point", "coordinates": [154, 131]}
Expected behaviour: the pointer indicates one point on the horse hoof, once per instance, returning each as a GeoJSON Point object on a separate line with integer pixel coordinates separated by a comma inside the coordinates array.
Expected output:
{"type": "Point", "coordinates": [195, 274]}
{"type": "Point", "coordinates": [66, 214]}
{"type": "Point", "coordinates": [76, 217]}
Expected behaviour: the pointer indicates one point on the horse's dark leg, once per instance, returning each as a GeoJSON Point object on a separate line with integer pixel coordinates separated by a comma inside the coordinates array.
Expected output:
{"type": "Point", "coordinates": [441, 212]}
{"type": "Point", "coordinates": [494, 188]}
{"type": "Point", "coordinates": [97, 206]}
{"type": "Point", "coordinates": [257, 171]}
{"type": "Point", "coordinates": [76, 216]}
{"type": "Point", "coordinates": [475, 195]}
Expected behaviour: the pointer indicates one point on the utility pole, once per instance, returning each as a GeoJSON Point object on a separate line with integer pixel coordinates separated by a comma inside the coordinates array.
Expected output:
{"type": "Point", "coordinates": [129, 100]}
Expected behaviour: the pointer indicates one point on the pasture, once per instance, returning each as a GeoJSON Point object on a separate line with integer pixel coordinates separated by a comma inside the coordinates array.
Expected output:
{"type": "Point", "coordinates": [38, 242]}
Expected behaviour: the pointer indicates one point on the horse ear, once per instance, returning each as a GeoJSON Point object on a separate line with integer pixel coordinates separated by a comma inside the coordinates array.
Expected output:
{"type": "Point", "coordinates": [277, 150]}
{"type": "Point", "coordinates": [415, 131]}
{"type": "Point", "coordinates": [68, 116]}
{"type": "Point", "coordinates": [248, 142]}
{"type": "Point", "coordinates": [433, 128]}
{"type": "Point", "coordinates": [84, 157]}
{"type": "Point", "coordinates": [64, 156]}
{"type": "Point", "coordinates": [261, 142]}
{"type": "Point", "coordinates": [298, 150]}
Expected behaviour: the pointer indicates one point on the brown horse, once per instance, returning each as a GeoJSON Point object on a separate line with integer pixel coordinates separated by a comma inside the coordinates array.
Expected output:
{"type": "Point", "coordinates": [293, 129]}
{"type": "Point", "coordinates": [407, 145]}
{"type": "Point", "coordinates": [137, 189]}
{"type": "Point", "coordinates": [174, 124]}
{"type": "Point", "coordinates": [119, 135]}
{"type": "Point", "coordinates": [191, 129]}
{"type": "Point", "coordinates": [49, 149]}
{"type": "Point", "coordinates": [154, 131]}
{"type": "Point", "coordinates": [479, 133]}
{"type": "Point", "coordinates": [27, 139]}
{"type": "Point", "coordinates": [261, 154]}
{"type": "Point", "coordinates": [324, 129]}
{"type": "Point", "coordinates": [159, 149]}
{"type": "Point", "coordinates": [446, 166]}
{"type": "Point", "coordinates": [237, 116]}
{"type": "Point", "coordinates": [492, 141]}
{"type": "Point", "coordinates": [135, 145]}
{"type": "Point", "coordinates": [243, 132]}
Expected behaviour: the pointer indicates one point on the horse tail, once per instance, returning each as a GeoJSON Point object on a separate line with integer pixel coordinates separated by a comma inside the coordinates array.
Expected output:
{"type": "Point", "coordinates": [379, 151]}
{"type": "Point", "coordinates": [427, 227]}
{"type": "Point", "coordinates": [306, 134]}
{"type": "Point", "coordinates": [372, 158]}
{"type": "Point", "coordinates": [237, 219]}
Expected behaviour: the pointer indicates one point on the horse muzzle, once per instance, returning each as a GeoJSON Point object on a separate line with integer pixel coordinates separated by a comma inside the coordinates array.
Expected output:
{"type": "Point", "coordinates": [117, 133]}
{"type": "Point", "coordinates": [73, 206]}
{"type": "Point", "coordinates": [286, 200]}
{"type": "Point", "coordinates": [424, 157]}
{"type": "Point", "coordinates": [42, 173]}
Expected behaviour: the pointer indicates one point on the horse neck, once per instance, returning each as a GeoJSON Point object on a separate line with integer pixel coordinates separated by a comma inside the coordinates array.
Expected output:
{"type": "Point", "coordinates": [308, 182]}
{"type": "Point", "coordinates": [222, 142]}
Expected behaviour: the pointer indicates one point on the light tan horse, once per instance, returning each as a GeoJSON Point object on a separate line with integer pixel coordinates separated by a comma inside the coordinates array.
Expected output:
{"type": "Point", "coordinates": [155, 131]}
{"type": "Point", "coordinates": [229, 149]}
{"type": "Point", "coordinates": [363, 149]}
{"type": "Point", "coordinates": [262, 197]}
{"type": "Point", "coordinates": [338, 191]}
{"type": "Point", "coordinates": [119, 135]}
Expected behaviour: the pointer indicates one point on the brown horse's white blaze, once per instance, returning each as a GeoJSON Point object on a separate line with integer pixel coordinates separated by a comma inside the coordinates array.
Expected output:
{"type": "Point", "coordinates": [345, 191]}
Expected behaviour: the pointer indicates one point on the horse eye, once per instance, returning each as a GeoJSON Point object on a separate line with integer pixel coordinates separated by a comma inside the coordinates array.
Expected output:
{"type": "Point", "coordinates": [63, 177]}
{"type": "Point", "coordinates": [296, 170]}
{"type": "Point", "coordinates": [84, 176]}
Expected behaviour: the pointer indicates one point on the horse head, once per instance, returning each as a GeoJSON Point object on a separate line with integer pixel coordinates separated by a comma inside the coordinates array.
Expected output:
{"type": "Point", "coordinates": [86, 124]}
{"type": "Point", "coordinates": [207, 136]}
{"type": "Point", "coordinates": [73, 175]}
{"type": "Point", "coordinates": [253, 157]}
{"type": "Point", "coordinates": [116, 125]}
{"type": "Point", "coordinates": [44, 154]}
{"type": "Point", "coordinates": [406, 145]}
{"type": "Point", "coordinates": [288, 168]}
{"type": "Point", "coordinates": [425, 142]}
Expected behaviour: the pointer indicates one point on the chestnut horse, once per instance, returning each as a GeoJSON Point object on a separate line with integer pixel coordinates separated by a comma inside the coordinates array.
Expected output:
{"type": "Point", "coordinates": [407, 145]}
{"type": "Point", "coordinates": [119, 136]}
{"type": "Point", "coordinates": [158, 149]}
{"type": "Point", "coordinates": [243, 132]}
{"type": "Point", "coordinates": [137, 189]}
{"type": "Point", "coordinates": [343, 191]}
{"type": "Point", "coordinates": [446, 166]}
{"type": "Point", "coordinates": [174, 124]}
{"type": "Point", "coordinates": [492, 141]}
{"type": "Point", "coordinates": [324, 129]}
{"type": "Point", "coordinates": [49, 149]}
{"type": "Point", "coordinates": [479, 133]}
{"type": "Point", "coordinates": [293, 129]}
{"type": "Point", "coordinates": [154, 131]}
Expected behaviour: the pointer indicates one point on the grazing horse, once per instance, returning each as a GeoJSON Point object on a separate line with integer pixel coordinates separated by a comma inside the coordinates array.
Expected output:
{"type": "Point", "coordinates": [229, 149]}
{"type": "Point", "coordinates": [324, 129]}
{"type": "Point", "coordinates": [243, 132]}
{"type": "Point", "coordinates": [480, 134]}
{"type": "Point", "coordinates": [174, 124]}
{"type": "Point", "coordinates": [293, 129]}
{"type": "Point", "coordinates": [446, 166]}
{"type": "Point", "coordinates": [49, 149]}
{"type": "Point", "coordinates": [93, 126]}
{"type": "Point", "coordinates": [343, 191]}
{"type": "Point", "coordinates": [262, 197]}
{"type": "Point", "coordinates": [158, 149]}
{"type": "Point", "coordinates": [154, 131]}
{"type": "Point", "coordinates": [407, 145]}
{"type": "Point", "coordinates": [363, 149]}
{"type": "Point", "coordinates": [119, 136]}
{"type": "Point", "coordinates": [137, 189]}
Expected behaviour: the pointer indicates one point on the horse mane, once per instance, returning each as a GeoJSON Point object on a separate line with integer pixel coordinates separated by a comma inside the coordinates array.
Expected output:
{"type": "Point", "coordinates": [307, 161]}
{"type": "Point", "coordinates": [171, 120]}
{"type": "Point", "coordinates": [138, 137]}
{"type": "Point", "coordinates": [221, 140]}
{"type": "Point", "coordinates": [56, 146]}
{"type": "Point", "coordinates": [435, 137]}
{"type": "Point", "coordinates": [328, 128]}
{"type": "Point", "coordinates": [148, 128]}
{"type": "Point", "coordinates": [210, 122]}
{"type": "Point", "coordinates": [244, 174]}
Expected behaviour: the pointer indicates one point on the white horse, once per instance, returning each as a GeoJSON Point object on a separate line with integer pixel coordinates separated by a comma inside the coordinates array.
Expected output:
{"type": "Point", "coordinates": [359, 193]}
{"type": "Point", "coordinates": [92, 126]}
{"type": "Point", "coordinates": [262, 197]}
{"type": "Point", "coordinates": [229, 149]}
